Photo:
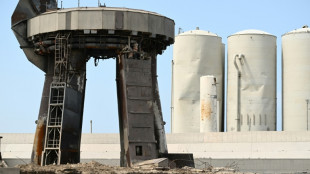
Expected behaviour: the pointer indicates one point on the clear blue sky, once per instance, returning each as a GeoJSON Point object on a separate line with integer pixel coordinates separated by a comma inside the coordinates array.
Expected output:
{"type": "Point", "coordinates": [21, 82]}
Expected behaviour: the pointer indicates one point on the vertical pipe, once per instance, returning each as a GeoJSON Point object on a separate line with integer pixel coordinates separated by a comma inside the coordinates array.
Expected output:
{"type": "Point", "coordinates": [172, 97]}
{"type": "Point", "coordinates": [91, 126]}
{"type": "Point", "coordinates": [238, 91]}
{"type": "Point", "coordinates": [0, 150]}
{"type": "Point", "coordinates": [125, 160]}
{"type": "Point", "coordinates": [218, 116]}
{"type": "Point", "coordinates": [307, 114]}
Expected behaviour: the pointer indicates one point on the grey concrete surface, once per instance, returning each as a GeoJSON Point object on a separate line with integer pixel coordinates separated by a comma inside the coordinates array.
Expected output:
{"type": "Point", "coordinates": [9, 171]}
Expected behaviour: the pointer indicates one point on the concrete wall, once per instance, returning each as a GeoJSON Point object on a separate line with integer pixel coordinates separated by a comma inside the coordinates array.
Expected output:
{"type": "Point", "coordinates": [252, 151]}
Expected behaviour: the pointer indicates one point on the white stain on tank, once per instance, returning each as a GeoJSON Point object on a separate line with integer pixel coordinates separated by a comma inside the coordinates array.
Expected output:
{"type": "Point", "coordinates": [251, 81]}
{"type": "Point", "coordinates": [196, 53]}
{"type": "Point", "coordinates": [296, 79]}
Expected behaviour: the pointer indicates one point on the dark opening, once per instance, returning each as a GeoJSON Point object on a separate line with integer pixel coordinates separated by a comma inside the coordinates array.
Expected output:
{"type": "Point", "coordinates": [138, 150]}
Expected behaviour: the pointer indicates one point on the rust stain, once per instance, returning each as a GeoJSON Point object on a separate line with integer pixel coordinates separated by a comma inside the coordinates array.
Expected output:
{"type": "Point", "coordinates": [205, 110]}
{"type": "Point", "coordinates": [39, 142]}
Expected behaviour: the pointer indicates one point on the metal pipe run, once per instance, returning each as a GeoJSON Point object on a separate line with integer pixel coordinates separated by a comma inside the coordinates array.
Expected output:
{"type": "Point", "coordinates": [239, 57]}
{"type": "Point", "coordinates": [0, 149]}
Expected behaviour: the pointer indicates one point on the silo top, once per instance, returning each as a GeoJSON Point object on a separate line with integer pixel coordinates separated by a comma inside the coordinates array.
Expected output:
{"type": "Point", "coordinates": [198, 32]}
{"type": "Point", "coordinates": [298, 31]}
{"type": "Point", "coordinates": [251, 32]}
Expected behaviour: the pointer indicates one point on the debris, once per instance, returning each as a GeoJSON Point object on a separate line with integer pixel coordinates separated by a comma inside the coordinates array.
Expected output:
{"type": "Point", "coordinates": [154, 163]}
{"type": "Point", "coordinates": [94, 167]}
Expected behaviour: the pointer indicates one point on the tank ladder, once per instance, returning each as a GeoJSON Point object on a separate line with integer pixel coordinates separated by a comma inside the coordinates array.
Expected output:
{"type": "Point", "coordinates": [51, 152]}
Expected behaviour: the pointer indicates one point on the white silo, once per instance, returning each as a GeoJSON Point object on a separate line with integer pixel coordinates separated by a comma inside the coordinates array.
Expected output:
{"type": "Point", "coordinates": [296, 79]}
{"type": "Point", "coordinates": [196, 53]}
{"type": "Point", "coordinates": [251, 81]}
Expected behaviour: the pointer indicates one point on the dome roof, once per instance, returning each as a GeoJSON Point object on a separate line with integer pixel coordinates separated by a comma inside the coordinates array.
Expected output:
{"type": "Point", "coordinates": [304, 29]}
{"type": "Point", "coordinates": [251, 32]}
{"type": "Point", "coordinates": [198, 32]}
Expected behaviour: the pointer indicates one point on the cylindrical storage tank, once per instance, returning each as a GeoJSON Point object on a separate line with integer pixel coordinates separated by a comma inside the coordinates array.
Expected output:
{"type": "Point", "coordinates": [296, 80]}
{"type": "Point", "coordinates": [208, 104]}
{"type": "Point", "coordinates": [196, 53]}
{"type": "Point", "coordinates": [251, 81]}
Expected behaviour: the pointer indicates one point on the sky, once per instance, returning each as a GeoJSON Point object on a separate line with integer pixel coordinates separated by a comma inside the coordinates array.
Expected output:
{"type": "Point", "coordinates": [22, 83]}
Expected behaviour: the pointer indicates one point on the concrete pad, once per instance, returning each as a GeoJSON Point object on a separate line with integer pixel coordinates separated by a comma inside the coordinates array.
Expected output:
{"type": "Point", "coordinates": [9, 171]}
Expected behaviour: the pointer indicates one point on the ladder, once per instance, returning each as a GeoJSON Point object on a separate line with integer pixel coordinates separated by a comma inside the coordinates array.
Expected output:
{"type": "Point", "coordinates": [52, 145]}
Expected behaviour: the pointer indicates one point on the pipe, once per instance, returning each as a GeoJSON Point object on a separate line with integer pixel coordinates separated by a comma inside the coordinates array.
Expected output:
{"type": "Point", "coordinates": [84, 40]}
{"type": "Point", "coordinates": [44, 43]}
{"type": "Point", "coordinates": [89, 46]}
{"type": "Point", "coordinates": [0, 149]}
{"type": "Point", "coordinates": [91, 126]}
{"type": "Point", "coordinates": [240, 57]}
{"type": "Point", "coordinates": [172, 98]}
{"type": "Point", "coordinates": [307, 100]}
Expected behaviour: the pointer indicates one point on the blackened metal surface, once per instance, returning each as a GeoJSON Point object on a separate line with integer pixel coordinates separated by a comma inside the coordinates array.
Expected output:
{"type": "Point", "coordinates": [73, 109]}
{"type": "Point", "coordinates": [64, 122]}
{"type": "Point", "coordinates": [43, 112]}
{"type": "Point", "coordinates": [27, 9]}
{"type": "Point", "coordinates": [136, 110]}
{"type": "Point", "coordinates": [71, 131]}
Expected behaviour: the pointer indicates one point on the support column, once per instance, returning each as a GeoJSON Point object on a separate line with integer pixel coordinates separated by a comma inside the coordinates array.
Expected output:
{"type": "Point", "coordinates": [39, 137]}
{"type": "Point", "coordinates": [73, 109]}
{"type": "Point", "coordinates": [65, 114]}
{"type": "Point", "coordinates": [137, 110]}
{"type": "Point", "coordinates": [122, 110]}
{"type": "Point", "coordinates": [160, 134]}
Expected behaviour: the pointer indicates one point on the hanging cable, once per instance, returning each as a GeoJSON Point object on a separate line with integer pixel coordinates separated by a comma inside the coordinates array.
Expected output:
{"type": "Point", "coordinates": [96, 61]}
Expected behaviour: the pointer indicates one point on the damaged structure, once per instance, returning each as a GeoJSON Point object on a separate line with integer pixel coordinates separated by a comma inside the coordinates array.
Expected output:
{"type": "Point", "coordinates": [61, 41]}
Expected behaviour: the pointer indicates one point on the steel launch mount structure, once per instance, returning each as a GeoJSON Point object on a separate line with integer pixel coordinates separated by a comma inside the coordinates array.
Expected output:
{"type": "Point", "coordinates": [61, 41]}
